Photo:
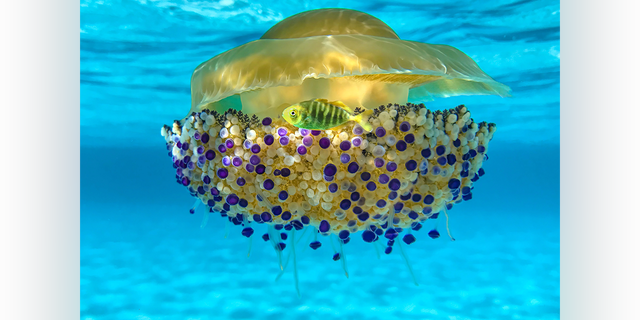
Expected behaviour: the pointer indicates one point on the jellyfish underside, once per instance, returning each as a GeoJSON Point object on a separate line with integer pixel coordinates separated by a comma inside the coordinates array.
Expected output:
{"type": "Point", "coordinates": [338, 55]}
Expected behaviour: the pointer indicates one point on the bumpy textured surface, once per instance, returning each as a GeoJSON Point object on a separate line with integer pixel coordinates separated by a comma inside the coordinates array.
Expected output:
{"type": "Point", "coordinates": [408, 169]}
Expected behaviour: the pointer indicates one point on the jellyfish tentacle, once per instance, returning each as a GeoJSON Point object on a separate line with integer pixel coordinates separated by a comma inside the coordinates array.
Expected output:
{"type": "Point", "coordinates": [250, 245]}
{"type": "Point", "coordinates": [273, 235]}
{"type": "Point", "coordinates": [344, 259]}
{"type": "Point", "coordinates": [195, 206]}
{"type": "Point", "coordinates": [447, 216]}
{"type": "Point", "coordinates": [406, 260]}
{"type": "Point", "coordinates": [295, 265]}
{"type": "Point", "coordinates": [205, 219]}
{"type": "Point", "coordinates": [376, 245]}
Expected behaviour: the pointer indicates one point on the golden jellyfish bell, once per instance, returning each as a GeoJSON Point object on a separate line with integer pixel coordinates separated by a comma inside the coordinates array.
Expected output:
{"type": "Point", "coordinates": [335, 54]}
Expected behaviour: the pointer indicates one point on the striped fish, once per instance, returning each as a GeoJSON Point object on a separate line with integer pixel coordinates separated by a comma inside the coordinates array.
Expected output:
{"type": "Point", "coordinates": [320, 114]}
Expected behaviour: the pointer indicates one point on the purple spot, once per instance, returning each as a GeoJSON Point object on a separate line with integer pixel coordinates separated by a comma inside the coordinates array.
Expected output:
{"type": "Point", "coordinates": [223, 173]}
{"type": "Point", "coordinates": [247, 232]}
{"type": "Point", "coordinates": [330, 169]}
{"type": "Point", "coordinates": [426, 153]}
{"type": "Point", "coordinates": [356, 141]}
{"type": "Point", "coordinates": [268, 184]}
{"type": "Point", "coordinates": [204, 138]}
{"type": "Point", "coordinates": [232, 199]}
{"type": "Point", "coordinates": [226, 161]}
{"type": "Point", "coordinates": [345, 145]}
{"type": "Point", "coordinates": [247, 144]}
{"type": "Point", "coordinates": [282, 131]}
{"type": "Point", "coordinates": [304, 132]}
{"type": "Point", "coordinates": [210, 155]}
{"type": "Point", "coordinates": [380, 132]}
{"type": "Point", "coordinates": [345, 158]}
{"type": "Point", "coordinates": [401, 146]}
{"type": "Point", "coordinates": [451, 159]}
{"type": "Point", "coordinates": [315, 132]}
{"type": "Point", "coordinates": [302, 150]}
{"type": "Point", "coordinates": [229, 143]}
{"type": "Point", "coordinates": [307, 141]}
{"type": "Point", "coordinates": [324, 226]}
{"type": "Point", "coordinates": [391, 166]}
{"type": "Point", "coordinates": [405, 126]}
{"type": "Point", "coordinates": [254, 160]}
{"type": "Point", "coordinates": [410, 138]}
{"type": "Point", "coordinates": [268, 139]}
{"type": "Point", "coordinates": [345, 204]}
{"type": "Point", "coordinates": [255, 148]}
{"type": "Point", "coordinates": [353, 167]}
{"type": "Point", "coordinates": [237, 161]}
{"type": "Point", "coordinates": [185, 181]}
{"type": "Point", "coordinates": [266, 121]}
{"type": "Point", "coordinates": [358, 130]}
{"type": "Point", "coordinates": [260, 169]}
{"type": "Point", "coordinates": [411, 165]}
{"type": "Point", "coordinates": [371, 186]}
{"type": "Point", "coordinates": [222, 148]}
{"type": "Point", "coordinates": [394, 184]}
{"type": "Point", "coordinates": [325, 143]}
{"type": "Point", "coordinates": [241, 181]}
{"type": "Point", "coordinates": [384, 178]}
{"type": "Point", "coordinates": [284, 140]}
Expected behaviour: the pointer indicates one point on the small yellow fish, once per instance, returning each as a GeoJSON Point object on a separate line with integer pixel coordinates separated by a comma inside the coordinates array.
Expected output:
{"type": "Point", "coordinates": [320, 114]}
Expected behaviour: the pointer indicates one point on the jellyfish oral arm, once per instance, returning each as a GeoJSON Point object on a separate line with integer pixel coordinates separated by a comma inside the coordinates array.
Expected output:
{"type": "Point", "coordinates": [350, 90]}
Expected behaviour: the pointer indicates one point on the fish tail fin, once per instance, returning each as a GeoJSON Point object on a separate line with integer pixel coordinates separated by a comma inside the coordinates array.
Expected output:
{"type": "Point", "coordinates": [363, 120]}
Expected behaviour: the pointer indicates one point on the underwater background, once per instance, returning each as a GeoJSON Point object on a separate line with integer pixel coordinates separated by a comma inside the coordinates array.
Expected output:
{"type": "Point", "coordinates": [143, 256]}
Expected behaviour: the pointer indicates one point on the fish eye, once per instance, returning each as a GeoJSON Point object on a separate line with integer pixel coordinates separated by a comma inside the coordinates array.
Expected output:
{"type": "Point", "coordinates": [293, 113]}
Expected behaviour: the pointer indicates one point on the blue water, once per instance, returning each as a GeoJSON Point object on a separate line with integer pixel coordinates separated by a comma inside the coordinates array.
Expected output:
{"type": "Point", "coordinates": [143, 256]}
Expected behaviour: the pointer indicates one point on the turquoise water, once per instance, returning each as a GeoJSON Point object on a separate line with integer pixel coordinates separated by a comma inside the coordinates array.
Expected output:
{"type": "Point", "coordinates": [143, 256]}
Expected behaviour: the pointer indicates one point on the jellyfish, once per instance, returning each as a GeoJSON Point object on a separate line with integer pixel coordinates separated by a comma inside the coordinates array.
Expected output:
{"type": "Point", "coordinates": [242, 161]}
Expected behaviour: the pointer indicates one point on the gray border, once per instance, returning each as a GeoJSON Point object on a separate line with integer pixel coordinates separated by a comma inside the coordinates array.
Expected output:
{"type": "Point", "coordinates": [40, 204]}
{"type": "Point", "coordinates": [600, 224]}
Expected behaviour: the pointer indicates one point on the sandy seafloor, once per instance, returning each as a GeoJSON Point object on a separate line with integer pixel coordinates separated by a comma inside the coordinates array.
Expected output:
{"type": "Point", "coordinates": [143, 256]}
